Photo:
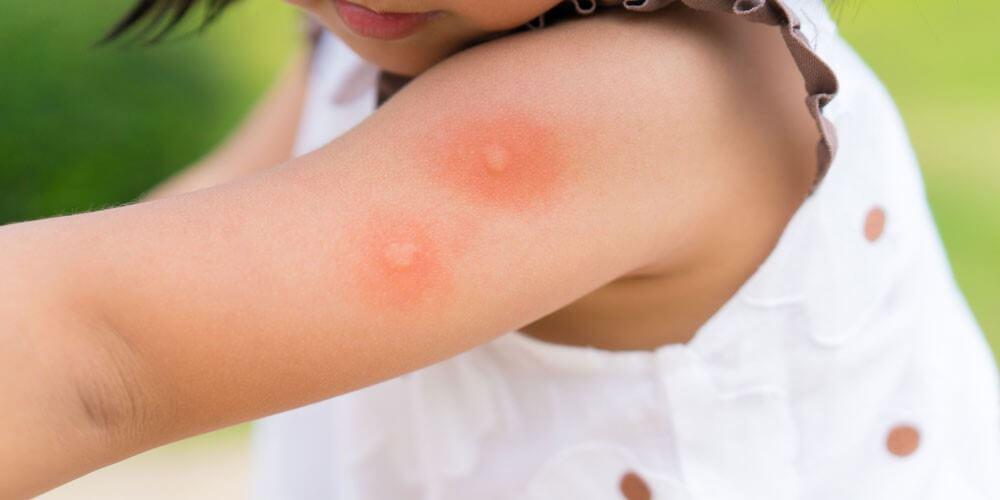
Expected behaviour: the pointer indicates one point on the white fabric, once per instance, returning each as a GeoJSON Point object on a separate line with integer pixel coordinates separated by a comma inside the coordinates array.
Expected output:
{"type": "Point", "coordinates": [788, 392]}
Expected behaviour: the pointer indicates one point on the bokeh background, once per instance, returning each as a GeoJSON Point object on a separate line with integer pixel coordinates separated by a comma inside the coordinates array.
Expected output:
{"type": "Point", "coordinates": [83, 128]}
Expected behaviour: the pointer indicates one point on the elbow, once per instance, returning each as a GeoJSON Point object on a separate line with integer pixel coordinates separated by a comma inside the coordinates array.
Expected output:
{"type": "Point", "coordinates": [98, 381]}
{"type": "Point", "coordinates": [113, 395]}
{"type": "Point", "coordinates": [110, 405]}
{"type": "Point", "coordinates": [75, 380]}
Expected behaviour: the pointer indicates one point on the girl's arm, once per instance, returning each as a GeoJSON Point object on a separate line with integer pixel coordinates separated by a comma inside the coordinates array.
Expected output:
{"type": "Point", "coordinates": [264, 139]}
{"type": "Point", "coordinates": [496, 188]}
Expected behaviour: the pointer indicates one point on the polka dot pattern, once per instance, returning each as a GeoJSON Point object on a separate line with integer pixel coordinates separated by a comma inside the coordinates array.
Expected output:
{"type": "Point", "coordinates": [874, 224]}
{"type": "Point", "coordinates": [903, 440]}
{"type": "Point", "coordinates": [634, 488]}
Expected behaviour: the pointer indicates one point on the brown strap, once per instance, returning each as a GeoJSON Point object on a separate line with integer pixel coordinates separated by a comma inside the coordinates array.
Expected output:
{"type": "Point", "coordinates": [820, 81]}
{"type": "Point", "coordinates": [389, 84]}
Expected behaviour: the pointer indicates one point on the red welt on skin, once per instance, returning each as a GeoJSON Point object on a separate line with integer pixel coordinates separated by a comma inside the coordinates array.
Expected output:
{"type": "Point", "coordinates": [509, 161]}
{"type": "Point", "coordinates": [400, 263]}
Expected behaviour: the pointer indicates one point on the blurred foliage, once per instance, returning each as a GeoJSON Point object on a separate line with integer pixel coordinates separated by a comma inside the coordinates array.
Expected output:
{"type": "Point", "coordinates": [84, 127]}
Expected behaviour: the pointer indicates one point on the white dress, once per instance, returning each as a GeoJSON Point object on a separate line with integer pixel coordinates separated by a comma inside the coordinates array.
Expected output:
{"type": "Point", "coordinates": [847, 367]}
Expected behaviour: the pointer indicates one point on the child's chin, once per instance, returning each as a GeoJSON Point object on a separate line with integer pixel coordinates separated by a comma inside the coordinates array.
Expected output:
{"type": "Point", "coordinates": [402, 62]}
{"type": "Point", "coordinates": [404, 57]}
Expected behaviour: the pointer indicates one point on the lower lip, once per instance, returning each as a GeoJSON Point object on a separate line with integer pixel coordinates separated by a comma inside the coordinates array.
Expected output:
{"type": "Point", "coordinates": [380, 25]}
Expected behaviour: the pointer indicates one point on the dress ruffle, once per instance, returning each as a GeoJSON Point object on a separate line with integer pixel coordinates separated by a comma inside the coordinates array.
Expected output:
{"type": "Point", "coordinates": [820, 80]}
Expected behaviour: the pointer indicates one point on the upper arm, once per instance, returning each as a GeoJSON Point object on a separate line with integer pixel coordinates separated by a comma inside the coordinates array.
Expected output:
{"type": "Point", "coordinates": [496, 188]}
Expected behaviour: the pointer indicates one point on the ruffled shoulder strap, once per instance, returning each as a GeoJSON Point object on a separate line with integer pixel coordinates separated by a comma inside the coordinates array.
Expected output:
{"type": "Point", "coordinates": [820, 80]}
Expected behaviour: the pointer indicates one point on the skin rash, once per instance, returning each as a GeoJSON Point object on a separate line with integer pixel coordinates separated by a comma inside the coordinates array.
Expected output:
{"type": "Point", "coordinates": [402, 262]}
{"type": "Point", "coordinates": [510, 162]}
{"type": "Point", "coordinates": [506, 164]}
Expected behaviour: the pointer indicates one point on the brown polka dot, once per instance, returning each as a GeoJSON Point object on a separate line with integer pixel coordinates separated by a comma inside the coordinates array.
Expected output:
{"type": "Point", "coordinates": [874, 223]}
{"type": "Point", "coordinates": [903, 440]}
{"type": "Point", "coordinates": [634, 488]}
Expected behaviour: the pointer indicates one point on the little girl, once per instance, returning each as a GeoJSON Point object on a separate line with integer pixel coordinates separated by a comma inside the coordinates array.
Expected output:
{"type": "Point", "coordinates": [531, 249]}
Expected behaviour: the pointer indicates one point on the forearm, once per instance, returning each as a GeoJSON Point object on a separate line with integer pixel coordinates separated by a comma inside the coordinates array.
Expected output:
{"type": "Point", "coordinates": [99, 335]}
{"type": "Point", "coordinates": [73, 394]}
{"type": "Point", "coordinates": [51, 368]}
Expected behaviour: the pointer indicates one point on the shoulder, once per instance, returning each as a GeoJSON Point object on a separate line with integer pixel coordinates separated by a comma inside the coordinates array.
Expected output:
{"type": "Point", "coordinates": [694, 113]}
{"type": "Point", "coordinates": [707, 107]}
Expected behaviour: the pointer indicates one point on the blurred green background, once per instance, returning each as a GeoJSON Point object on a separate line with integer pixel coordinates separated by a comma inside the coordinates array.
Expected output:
{"type": "Point", "coordinates": [83, 128]}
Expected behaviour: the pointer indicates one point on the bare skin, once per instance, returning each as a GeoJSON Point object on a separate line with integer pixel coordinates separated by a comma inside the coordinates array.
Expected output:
{"type": "Point", "coordinates": [508, 160]}
{"type": "Point", "coordinates": [373, 256]}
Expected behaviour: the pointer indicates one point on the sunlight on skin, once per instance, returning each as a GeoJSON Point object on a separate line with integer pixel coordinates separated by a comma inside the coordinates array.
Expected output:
{"type": "Point", "coordinates": [509, 161]}
{"type": "Point", "coordinates": [404, 261]}
{"type": "Point", "coordinates": [508, 164]}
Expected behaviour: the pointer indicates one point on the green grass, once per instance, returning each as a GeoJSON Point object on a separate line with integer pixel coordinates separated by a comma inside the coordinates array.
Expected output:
{"type": "Point", "coordinates": [84, 128]}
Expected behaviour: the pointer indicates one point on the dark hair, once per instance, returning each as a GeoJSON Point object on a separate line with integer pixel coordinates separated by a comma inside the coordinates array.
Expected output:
{"type": "Point", "coordinates": [158, 17]}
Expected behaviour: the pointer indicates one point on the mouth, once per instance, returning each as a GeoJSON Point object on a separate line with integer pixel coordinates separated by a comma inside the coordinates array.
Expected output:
{"type": "Point", "coordinates": [380, 25]}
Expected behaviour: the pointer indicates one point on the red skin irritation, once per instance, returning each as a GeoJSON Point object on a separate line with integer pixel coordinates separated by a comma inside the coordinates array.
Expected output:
{"type": "Point", "coordinates": [509, 161]}
{"type": "Point", "coordinates": [401, 263]}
